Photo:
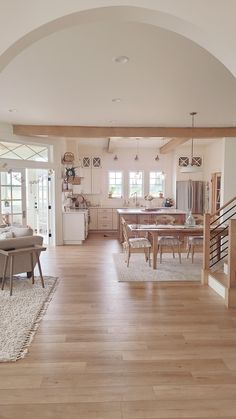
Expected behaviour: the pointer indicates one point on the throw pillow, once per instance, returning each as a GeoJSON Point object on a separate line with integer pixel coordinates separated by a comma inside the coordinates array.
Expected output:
{"type": "Point", "coordinates": [6, 235]}
{"type": "Point", "coordinates": [22, 231]}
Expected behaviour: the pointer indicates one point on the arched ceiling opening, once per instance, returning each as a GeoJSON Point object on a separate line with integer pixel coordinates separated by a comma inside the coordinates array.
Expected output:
{"type": "Point", "coordinates": [63, 72]}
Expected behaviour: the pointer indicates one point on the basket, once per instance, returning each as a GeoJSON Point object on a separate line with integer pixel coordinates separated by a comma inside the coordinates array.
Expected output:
{"type": "Point", "coordinates": [76, 180]}
{"type": "Point", "coordinates": [68, 157]}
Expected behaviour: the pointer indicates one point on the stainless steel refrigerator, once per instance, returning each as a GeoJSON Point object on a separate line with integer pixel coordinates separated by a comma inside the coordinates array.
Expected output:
{"type": "Point", "coordinates": [190, 195]}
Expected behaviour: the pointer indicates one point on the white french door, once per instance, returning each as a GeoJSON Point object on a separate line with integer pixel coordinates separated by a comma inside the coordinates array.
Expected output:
{"type": "Point", "coordinates": [39, 193]}
{"type": "Point", "coordinates": [13, 196]}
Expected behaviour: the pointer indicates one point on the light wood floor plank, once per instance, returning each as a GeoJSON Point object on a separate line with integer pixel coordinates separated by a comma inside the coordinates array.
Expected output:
{"type": "Point", "coordinates": [110, 350]}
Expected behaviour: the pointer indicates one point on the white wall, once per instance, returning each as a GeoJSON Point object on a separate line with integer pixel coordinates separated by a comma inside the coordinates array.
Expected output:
{"type": "Point", "coordinates": [126, 163]}
{"type": "Point", "coordinates": [229, 169]}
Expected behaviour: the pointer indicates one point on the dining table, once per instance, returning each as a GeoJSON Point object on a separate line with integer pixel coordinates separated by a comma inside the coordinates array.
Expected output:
{"type": "Point", "coordinates": [181, 231]}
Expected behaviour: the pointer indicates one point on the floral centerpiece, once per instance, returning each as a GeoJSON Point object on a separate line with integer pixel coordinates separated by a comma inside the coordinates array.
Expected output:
{"type": "Point", "coordinates": [169, 202]}
{"type": "Point", "coordinates": [149, 198]}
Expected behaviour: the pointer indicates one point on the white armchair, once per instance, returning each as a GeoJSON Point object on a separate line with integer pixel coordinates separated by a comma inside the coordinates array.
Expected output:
{"type": "Point", "coordinates": [22, 263]}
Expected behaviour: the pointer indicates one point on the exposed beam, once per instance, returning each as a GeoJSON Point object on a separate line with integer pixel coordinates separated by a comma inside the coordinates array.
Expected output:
{"type": "Point", "coordinates": [110, 146]}
{"type": "Point", "coordinates": [172, 145]}
{"type": "Point", "coordinates": [101, 132]}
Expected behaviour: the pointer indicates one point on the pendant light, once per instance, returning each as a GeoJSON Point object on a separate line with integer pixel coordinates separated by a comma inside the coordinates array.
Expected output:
{"type": "Point", "coordinates": [192, 166]}
{"type": "Point", "coordinates": [137, 149]}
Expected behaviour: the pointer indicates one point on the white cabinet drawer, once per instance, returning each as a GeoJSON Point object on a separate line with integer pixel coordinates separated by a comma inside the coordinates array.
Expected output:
{"type": "Point", "coordinates": [105, 225]}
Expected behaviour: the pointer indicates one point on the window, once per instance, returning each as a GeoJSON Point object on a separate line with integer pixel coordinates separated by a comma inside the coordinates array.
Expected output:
{"type": "Point", "coordinates": [156, 183]}
{"type": "Point", "coordinates": [136, 184]}
{"type": "Point", "coordinates": [115, 184]}
{"type": "Point", "coordinates": [18, 151]}
{"type": "Point", "coordinates": [12, 196]}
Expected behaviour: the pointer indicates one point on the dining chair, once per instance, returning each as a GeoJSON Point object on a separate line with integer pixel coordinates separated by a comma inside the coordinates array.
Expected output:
{"type": "Point", "coordinates": [194, 241]}
{"type": "Point", "coordinates": [166, 241]}
{"type": "Point", "coordinates": [135, 244]}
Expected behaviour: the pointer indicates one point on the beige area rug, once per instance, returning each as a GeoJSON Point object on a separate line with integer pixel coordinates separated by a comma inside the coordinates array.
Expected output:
{"type": "Point", "coordinates": [21, 313]}
{"type": "Point", "coordinates": [169, 270]}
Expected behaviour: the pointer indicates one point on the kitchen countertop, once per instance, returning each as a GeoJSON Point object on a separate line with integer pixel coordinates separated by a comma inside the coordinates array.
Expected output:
{"type": "Point", "coordinates": [161, 210]}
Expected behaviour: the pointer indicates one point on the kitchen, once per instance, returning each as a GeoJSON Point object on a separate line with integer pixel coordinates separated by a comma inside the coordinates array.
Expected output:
{"type": "Point", "coordinates": [94, 159]}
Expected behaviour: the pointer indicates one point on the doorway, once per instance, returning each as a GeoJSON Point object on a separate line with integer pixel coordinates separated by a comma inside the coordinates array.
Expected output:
{"type": "Point", "coordinates": [40, 212]}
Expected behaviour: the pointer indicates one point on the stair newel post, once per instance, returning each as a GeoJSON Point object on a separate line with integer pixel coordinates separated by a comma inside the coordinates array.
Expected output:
{"type": "Point", "coordinates": [232, 254]}
{"type": "Point", "coordinates": [206, 248]}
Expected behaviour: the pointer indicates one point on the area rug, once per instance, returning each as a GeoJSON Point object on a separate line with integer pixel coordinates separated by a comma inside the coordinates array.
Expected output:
{"type": "Point", "coordinates": [169, 270]}
{"type": "Point", "coordinates": [21, 313]}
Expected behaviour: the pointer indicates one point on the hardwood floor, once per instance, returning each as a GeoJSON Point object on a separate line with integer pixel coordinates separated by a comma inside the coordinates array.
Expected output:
{"type": "Point", "coordinates": [110, 350]}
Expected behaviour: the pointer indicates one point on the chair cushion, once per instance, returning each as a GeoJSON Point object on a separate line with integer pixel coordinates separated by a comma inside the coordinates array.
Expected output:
{"type": "Point", "coordinates": [137, 243]}
{"type": "Point", "coordinates": [196, 240]}
{"type": "Point", "coordinates": [168, 241]}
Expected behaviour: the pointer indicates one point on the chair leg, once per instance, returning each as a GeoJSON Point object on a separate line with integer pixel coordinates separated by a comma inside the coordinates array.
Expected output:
{"type": "Point", "coordinates": [146, 254]}
{"type": "Point", "coordinates": [160, 254]}
{"type": "Point", "coordinates": [149, 256]}
{"type": "Point", "coordinates": [192, 252]}
{"type": "Point", "coordinates": [173, 251]}
{"type": "Point", "coordinates": [4, 272]}
{"type": "Point", "coordinates": [189, 248]}
{"type": "Point", "coordinates": [40, 269]}
{"type": "Point", "coordinates": [11, 273]}
{"type": "Point", "coordinates": [32, 266]}
{"type": "Point", "coordinates": [128, 258]}
{"type": "Point", "coordinates": [179, 253]}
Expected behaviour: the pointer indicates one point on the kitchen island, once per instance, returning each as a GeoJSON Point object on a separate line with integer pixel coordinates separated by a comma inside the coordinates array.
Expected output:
{"type": "Point", "coordinates": [147, 216]}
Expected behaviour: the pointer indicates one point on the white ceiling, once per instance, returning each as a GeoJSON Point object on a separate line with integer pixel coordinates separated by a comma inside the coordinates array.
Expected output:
{"type": "Point", "coordinates": [69, 77]}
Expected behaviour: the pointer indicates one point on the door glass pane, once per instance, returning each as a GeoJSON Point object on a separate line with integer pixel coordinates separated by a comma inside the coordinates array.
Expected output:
{"type": "Point", "coordinates": [6, 207]}
{"type": "Point", "coordinates": [5, 192]}
{"type": "Point", "coordinates": [16, 178]}
{"type": "Point", "coordinates": [5, 178]}
{"type": "Point", "coordinates": [16, 192]}
{"type": "Point", "coordinates": [16, 206]}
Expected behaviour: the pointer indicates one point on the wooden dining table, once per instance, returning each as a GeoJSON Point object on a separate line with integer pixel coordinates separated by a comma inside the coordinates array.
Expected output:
{"type": "Point", "coordinates": [155, 231]}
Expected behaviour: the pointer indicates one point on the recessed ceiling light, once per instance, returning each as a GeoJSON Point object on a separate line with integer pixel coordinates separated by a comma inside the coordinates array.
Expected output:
{"type": "Point", "coordinates": [121, 59]}
{"type": "Point", "coordinates": [12, 110]}
{"type": "Point", "coordinates": [116, 99]}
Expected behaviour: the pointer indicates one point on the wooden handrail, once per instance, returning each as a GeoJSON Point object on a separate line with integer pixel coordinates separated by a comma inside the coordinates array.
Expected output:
{"type": "Point", "coordinates": [224, 206]}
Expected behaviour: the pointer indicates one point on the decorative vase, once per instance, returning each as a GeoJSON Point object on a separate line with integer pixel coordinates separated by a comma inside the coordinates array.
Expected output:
{"type": "Point", "coordinates": [190, 220]}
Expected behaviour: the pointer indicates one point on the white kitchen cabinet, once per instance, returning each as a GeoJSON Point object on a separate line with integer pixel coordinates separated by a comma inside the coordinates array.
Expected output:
{"type": "Point", "coordinates": [93, 219]}
{"type": "Point", "coordinates": [91, 182]}
{"type": "Point", "coordinates": [103, 219]}
{"type": "Point", "coordinates": [75, 226]}
{"type": "Point", "coordinates": [114, 219]}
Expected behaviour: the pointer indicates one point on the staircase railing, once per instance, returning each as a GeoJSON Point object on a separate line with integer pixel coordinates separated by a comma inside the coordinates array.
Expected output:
{"type": "Point", "coordinates": [220, 242]}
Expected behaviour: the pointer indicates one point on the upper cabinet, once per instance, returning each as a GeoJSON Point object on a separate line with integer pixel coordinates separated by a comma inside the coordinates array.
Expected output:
{"type": "Point", "coordinates": [91, 183]}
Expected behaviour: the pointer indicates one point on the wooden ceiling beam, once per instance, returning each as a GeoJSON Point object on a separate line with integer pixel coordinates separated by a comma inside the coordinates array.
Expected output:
{"type": "Point", "coordinates": [110, 146]}
{"type": "Point", "coordinates": [70, 131]}
{"type": "Point", "coordinates": [172, 145]}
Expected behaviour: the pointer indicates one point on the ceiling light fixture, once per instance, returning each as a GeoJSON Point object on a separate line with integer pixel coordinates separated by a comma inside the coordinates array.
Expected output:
{"type": "Point", "coordinates": [121, 59]}
{"type": "Point", "coordinates": [192, 166]}
{"type": "Point", "coordinates": [137, 149]}
{"type": "Point", "coordinates": [157, 158]}
{"type": "Point", "coordinates": [116, 100]}
{"type": "Point", "coordinates": [115, 157]}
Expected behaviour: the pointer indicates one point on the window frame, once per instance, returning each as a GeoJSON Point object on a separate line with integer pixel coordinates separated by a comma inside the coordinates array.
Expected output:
{"type": "Point", "coordinates": [122, 183]}
{"type": "Point", "coordinates": [18, 145]}
{"type": "Point", "coordinates": [130, 195]}
{"type": "Point", "coordinates": [162, 190]}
